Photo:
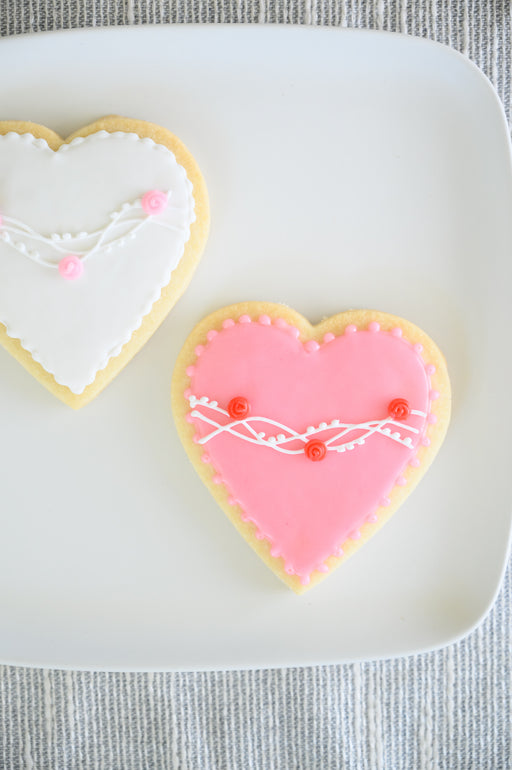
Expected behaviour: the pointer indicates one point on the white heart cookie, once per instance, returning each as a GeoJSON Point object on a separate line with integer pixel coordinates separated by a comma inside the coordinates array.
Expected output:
{"type": "Point", "coordinates": [99, 236]}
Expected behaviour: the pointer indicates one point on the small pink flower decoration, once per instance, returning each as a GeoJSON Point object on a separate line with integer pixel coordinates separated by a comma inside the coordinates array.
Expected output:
{"type": "Point", "coordinates": [71, 267]}
{"type": "Point", "coordinates": [154, 202]}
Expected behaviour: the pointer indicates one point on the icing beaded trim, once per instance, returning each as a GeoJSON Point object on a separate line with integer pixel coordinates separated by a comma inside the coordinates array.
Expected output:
{"type": "Point", "coordinates": [123, 225]}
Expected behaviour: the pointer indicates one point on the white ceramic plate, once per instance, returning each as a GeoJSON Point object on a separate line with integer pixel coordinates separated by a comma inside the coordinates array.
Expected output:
{"type": "Point", "coordinates": [346, 169]}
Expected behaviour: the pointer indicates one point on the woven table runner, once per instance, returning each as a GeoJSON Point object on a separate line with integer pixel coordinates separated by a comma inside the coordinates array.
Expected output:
{"type": "Point", "coordinates": [447, 709]}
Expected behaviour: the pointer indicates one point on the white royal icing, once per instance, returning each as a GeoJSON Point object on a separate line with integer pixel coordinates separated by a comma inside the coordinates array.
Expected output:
{"type": "Point", "coordinates": [85, 199]}
{"type": "Point", "coordinates": [336, 430]}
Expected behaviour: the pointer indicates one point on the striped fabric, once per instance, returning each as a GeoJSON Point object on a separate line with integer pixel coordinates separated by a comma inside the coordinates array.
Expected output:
{"type": "Point", "coordinates": [448, 709]}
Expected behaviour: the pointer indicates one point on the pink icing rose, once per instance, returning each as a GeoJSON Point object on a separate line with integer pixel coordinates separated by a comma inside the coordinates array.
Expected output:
{"type": "Point", "coordinates": [154, 202]}
{"type": "Point", "coordinates": [71, 267]}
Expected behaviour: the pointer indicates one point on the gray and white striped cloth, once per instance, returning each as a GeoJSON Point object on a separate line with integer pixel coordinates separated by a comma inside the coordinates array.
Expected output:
{"type": "Point", "coordinates": [449, 709]}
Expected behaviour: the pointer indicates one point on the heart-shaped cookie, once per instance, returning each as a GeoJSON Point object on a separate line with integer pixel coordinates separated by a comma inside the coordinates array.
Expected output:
{"type": "Point", "coordinates": [99, 236]}
{"type": "Point", "coordinates": [309, 437]}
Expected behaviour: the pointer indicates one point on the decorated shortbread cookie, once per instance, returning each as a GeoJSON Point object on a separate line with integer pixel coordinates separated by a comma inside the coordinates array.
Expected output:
{"type": "Point", "coordinates": [99, 236]}
{"type": "Point", "coordinates": [309, 437]}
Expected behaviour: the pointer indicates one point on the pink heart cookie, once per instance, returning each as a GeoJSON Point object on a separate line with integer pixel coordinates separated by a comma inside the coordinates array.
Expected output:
{"type": "Point", "coordinates": [309, 437]}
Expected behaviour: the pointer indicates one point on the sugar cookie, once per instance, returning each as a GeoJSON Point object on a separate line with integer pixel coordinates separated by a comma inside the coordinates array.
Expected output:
{"type": "Point", "coordinates": [99, 236]}
{"type": "Point", "coordinates": [309, 437]}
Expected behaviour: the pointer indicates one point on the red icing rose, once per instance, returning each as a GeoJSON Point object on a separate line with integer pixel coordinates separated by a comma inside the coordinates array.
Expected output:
{"type": "Point", "coordinates": [315, 450]}
{"type": "Point", "coordinates": [399, 409]}
{"type": "Point", "coordinates": [238, 408]}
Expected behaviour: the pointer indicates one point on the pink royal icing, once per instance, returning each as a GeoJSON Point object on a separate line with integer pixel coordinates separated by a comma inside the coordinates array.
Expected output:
{"type": "Point", "coordinates": [319, 451]}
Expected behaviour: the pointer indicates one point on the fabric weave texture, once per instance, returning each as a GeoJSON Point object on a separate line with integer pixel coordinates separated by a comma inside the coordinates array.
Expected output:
{"type": "Point", "coordinates": [449, 709]}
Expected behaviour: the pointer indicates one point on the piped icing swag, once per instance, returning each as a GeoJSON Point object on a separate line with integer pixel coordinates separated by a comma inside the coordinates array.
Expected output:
{"type": "Point", "coordinates": [121, 226]}
{"type": "Point", "coordinates": [309, 438]}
